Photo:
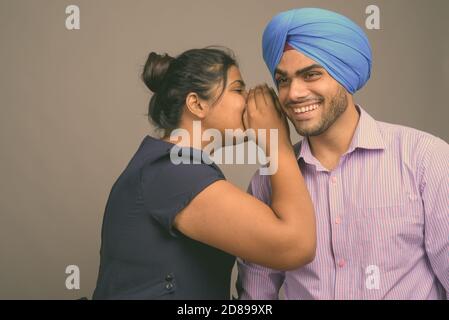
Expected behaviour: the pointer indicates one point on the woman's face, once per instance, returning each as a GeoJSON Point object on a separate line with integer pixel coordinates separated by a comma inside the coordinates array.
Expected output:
{"type": "Point", "coordinates": [227, 112]}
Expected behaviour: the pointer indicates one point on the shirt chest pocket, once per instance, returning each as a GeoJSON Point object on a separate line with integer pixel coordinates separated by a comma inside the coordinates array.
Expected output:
{"type": "Point", "coordinates": [394, 218]}
{"type": "Point", "coordinates": [402, 204]}
{"type": "Point", "coordinates": [389, 233]}
{"type": "Point", "coordinates": [381, 192]}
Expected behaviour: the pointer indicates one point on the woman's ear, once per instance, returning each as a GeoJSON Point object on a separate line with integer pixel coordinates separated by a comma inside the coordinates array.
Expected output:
{"type": "Point", "coordinates": [196, 105]}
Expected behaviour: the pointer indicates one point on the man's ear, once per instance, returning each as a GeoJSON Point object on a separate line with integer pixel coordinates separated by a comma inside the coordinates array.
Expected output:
{"type": "Point", "coordinates": [196, 105]}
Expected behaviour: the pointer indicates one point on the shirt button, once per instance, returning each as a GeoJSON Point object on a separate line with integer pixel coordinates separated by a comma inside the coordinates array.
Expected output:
{"type": "Point", "coordinates": [341, 263]}
{"type": "Point", "coordinates": [169, 286]}
{"type": "Point", "coordinates": [411, 196]}
{"type": "Point", "coordinates": [334, 180]}
{"type": "Point", "coordinates": [337, 220]}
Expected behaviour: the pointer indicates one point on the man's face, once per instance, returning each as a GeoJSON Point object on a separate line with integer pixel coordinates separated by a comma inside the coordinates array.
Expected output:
{"type": "Point", "coordinates": [311, 98]}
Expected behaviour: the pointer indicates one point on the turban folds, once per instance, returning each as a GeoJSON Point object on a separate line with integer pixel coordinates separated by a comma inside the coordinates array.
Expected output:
{"type": "Point", "coordinates": [328, 38]}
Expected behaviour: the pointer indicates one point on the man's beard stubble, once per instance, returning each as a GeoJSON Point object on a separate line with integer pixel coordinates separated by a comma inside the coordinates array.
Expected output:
{"type": "Point", "coordinates": [337, 105]}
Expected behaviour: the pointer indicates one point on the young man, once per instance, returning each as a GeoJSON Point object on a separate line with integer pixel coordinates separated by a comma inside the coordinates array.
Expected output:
{"type": "Point", "coordinates": [380, 191]}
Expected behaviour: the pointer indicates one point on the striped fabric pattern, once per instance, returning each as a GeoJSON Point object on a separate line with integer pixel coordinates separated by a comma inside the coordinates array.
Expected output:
{"type": "Point", "coordinates": [382, 220]}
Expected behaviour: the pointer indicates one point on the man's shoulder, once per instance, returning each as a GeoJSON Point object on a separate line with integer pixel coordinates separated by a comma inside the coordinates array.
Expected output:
{"type": "Point", "coordinates": [406, 136]}
{"type": "Point", "coordinates": [401, 131]}
{"type": "Point", "coordinates": [413, 144]}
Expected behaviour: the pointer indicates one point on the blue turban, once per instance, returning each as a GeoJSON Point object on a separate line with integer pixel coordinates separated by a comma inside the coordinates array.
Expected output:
{"type": "Point", "coordinates": [328, 38]}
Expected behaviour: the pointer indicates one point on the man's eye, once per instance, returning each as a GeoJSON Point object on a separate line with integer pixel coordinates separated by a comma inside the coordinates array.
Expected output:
{"type": "Point", "coordinates": [281, 81]}
{"type": "Point", "coordinates": [312, 75]}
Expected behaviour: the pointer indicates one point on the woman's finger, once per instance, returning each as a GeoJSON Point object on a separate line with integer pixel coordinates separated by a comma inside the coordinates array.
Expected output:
{"type": "Point", "coordinates": [269, 101]}
{"type": "Point", "coordinates": [245, 119]}
{"type": "Point", "coordinates": [276, 102]}
{"type": "Point", "coordinates": [251, 104]}
{"type": "Point", "coordinates": [259, 98]}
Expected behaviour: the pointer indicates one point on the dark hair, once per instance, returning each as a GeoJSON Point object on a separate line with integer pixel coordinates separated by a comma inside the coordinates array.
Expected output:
{"type": "Point", "coordinates": [172, 79]}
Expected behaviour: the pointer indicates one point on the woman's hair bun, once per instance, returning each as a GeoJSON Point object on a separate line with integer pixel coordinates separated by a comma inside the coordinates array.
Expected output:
{"type": "Point", "coordinates": [155, 70]}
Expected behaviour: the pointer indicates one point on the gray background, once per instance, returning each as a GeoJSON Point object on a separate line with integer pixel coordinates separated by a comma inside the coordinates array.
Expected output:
{"type": "Point", "coordinates": [73, 108]}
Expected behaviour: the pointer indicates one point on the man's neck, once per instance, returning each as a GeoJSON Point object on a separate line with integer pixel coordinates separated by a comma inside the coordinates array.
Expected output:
{"type": "Point", "coordinates": [335, 141]}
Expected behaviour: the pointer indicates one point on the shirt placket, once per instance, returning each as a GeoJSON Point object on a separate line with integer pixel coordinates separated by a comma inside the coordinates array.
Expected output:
{"type": "Point", "coordinates": [343, 281]}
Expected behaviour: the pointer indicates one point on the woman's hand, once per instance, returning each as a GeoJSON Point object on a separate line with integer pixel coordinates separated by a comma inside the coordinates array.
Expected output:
{"type": "Point", "coordinates": [264, 111]}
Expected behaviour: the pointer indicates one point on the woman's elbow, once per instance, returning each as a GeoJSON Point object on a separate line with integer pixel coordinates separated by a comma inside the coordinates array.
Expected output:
{"type": "Point", "coordinates": [295, 256]}
{"type": "Point", "coordinates": [309, 253]}
{"type": "Point", "coordinates": [301, 258]}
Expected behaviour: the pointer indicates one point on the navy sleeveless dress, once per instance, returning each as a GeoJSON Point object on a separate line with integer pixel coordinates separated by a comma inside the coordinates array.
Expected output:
{"type": "Point", "coordinates": [142, 255]}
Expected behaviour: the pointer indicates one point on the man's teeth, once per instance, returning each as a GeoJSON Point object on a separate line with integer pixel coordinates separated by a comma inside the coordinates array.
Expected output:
{"type": "Point", "coordinates": [305, 109]}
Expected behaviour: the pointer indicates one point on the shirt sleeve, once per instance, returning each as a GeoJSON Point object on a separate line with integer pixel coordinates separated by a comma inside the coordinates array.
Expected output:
{"type": "Point", "coordinates": [434, 188]}
{"type": "Point", "coordinates": [168, 188]}
{"type": "Point", "coordinates": [255, 282]}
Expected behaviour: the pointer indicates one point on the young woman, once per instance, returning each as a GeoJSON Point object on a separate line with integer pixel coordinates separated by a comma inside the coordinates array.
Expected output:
{"type": "Point", "coordinates": [172, 231]}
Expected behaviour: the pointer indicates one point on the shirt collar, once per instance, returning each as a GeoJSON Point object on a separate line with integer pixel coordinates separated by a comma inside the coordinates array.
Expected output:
{"type": "Point", "coordinates": [366, 136]}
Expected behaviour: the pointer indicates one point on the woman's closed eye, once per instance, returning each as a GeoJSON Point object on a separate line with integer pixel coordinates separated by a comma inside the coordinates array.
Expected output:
{"type": "Point", "coordinates": [240, 90]}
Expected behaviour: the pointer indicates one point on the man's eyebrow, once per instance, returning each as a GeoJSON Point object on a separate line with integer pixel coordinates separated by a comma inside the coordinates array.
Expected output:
{"type": "Point", "coordinates": [241, 82]}
{"type": "Point", "coordinates": [300, 71]}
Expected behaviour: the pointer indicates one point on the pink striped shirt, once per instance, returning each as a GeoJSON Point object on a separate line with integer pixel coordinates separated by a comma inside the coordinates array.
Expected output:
{"type": "Point", "coordinates": [382, 220]}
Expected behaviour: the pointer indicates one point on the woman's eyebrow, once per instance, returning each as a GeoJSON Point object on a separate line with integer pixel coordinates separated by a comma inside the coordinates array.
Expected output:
{"type": "Point", "coordinates": [241, 82]}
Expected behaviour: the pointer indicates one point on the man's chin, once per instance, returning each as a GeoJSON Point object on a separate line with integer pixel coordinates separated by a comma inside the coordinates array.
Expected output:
{"type": "Point", "coordinates": [307, 131]}
{"type": "Point", "coordinates": [310, 132]}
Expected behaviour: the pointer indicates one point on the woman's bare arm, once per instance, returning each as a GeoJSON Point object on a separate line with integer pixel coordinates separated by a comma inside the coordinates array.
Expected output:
{"type": "Point", "coordinates": [281, 237]}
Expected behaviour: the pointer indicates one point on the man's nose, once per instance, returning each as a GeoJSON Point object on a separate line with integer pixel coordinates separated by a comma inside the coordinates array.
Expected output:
{"type": "Point", "coordinates": [298, 90]}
